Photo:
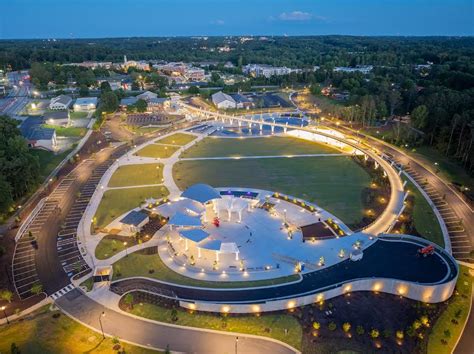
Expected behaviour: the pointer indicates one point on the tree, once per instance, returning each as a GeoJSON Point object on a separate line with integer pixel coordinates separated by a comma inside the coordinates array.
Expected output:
{"type": "Point", "coordinates": [316, 325]}
{"type": "Point", "coordinates": [105, 86]}
{"type": "Point", "coordinates": [128, 299]}
{"type": "Point", "coordinates": [332, 326]}
{"type": "Point", "coordinates": [194, 90]}
{"type": "Point", "coordinates": [83, 91]}
{"type": "Point", "coordinates": [108, 102]}
{"type": "Point", "coordinates": [36, 288]}
{"type": "Point", "coordinates": [399, 334]}
{"type": "Point", "coordinates": [141, 106]}
{"type": "Point", "coordinates": [14, 349]}
{"type": "Point", "coordinates": [6, 295]}
{"type": "Point", "coordinates": [374, 333]}
{"type": "Point", "coordinates": [419, 117]}
{"type": "Point", "coordinates": [360, 330]}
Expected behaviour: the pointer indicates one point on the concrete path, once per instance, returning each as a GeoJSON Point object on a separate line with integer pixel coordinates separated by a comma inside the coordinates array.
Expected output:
{"type": "Point", "coordinates": [259, 157]}
{"type": "Point", "coordinates": [157, 335]}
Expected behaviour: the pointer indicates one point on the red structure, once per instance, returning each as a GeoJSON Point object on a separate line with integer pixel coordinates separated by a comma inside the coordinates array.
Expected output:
{"type": "Point", "coordinates": [216, 222]}
{"type": "Point", "coordinates": [426, 251]}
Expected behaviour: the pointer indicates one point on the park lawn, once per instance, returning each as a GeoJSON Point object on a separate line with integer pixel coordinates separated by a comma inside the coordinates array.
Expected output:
{"type": "Point", "coordinates": [78, 115]}
{"type": "Point", "coordinates": [179, 139]}
{"type": "Point", "coordinates": [115, 202]}
{"type": "Point", "coordinates": [48, 160]}
{"type": "Point", "coordinates": [138, 265]}
{"type": "Point", "coordinates": [424, 218]}
{"type": "Point", "coordinates": [136, 175]}
{"type": "Point", "coordinates": [88, 283]}
{"type": "Point", "coordinates": [334, 183]}
{"type": "Point", "coordinates": [249, 324]}
{"type": "Point", "coordinates": [157, 151]}
{"type": "Point", "coordinates": [41, 333]}
{"type": "Point", "coordinates": [232, 147]}
{"type": "Point", "coordinates": [109, 246]}
{"type": "Point", "coordinates": [460, 301]}
{"type": "Point", "coordinates": [71, 132]}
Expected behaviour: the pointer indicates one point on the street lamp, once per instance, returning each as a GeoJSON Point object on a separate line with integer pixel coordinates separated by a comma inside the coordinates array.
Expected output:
{"type": "Point", "coordinates": [5, 314]}
{"type": "Point", "coordinates": [236, 342]}
{"type": "Point", "coordinates": [100, 321]}
{"type": "Point", "coordinates": [125, 245]}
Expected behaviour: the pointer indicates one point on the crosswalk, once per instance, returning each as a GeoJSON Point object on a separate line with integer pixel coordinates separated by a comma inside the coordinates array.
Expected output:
{"type": "Point", "coordinates": [62, 292]}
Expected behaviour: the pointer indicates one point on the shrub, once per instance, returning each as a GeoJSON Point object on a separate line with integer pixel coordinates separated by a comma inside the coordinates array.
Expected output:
{"type": "Point", "coordinates": [316, 325]}
{"type": "Point", "coordinates": [387, 333]}
{"type": "Point", "coordinates": [400, 334]}
{"type": "Point", "coordinates": [458, 313]}
{"type": "Point", "coordinates": [332, 326]}
{"type": "Point", "coordinates": [360, 330]}
{"type": "Point", "coordinates": [425, 321]}
{"type": "Point", "coordinates": [447, 333]}
{"type": "Point", "coordinates": [374, 333]}
{"type": "Point", "coordinates": [174, 315]}
{"type": "Point", "coordinates": [416, 324]}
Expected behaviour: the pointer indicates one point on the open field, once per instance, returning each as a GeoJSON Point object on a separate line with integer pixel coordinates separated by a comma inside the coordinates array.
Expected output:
{"type": "Point", "coordinates": [78, 115]}
{"type": "Point", "coordinates": [424, 217]}
{"type": "Point", "coordinates": [48, 160]}
{"type": "Point", "coordinates": [157, 151]}
{"type": "Point", "coordinates": [136, 175]}
{"type": "Point", "coordinates": [42, 333]}
{"type": "Point", "coordinates": [226, 147]}
{"type": "Point", "coordinates": [446, 327]}
{"type": "Point", "coordinates": [139, 265]}
{"type": "Point", "coordinates": [334, 183]}
{"type": "Point", "coordinates": [71, 132]}
{"type": "Point", "coordinates": [116, 202]}
{"type": "Point", "coordinates": [249, 324]}
{"type": "Point", "coordinates": [179, 139]}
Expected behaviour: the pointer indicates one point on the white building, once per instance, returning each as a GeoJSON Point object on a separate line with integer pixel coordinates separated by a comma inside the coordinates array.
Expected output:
{"type": "Point", "coordinates": [223, 101]}
{"type": "Point", "coordinates": [85, 104]}
{"type": "Point", "coordinates": [42, 138]}
{"type": "Point", "coordinates": [364, 69]}
{"type": "Point", "coordinates": [60, 102]}
{"type": "Point", "coordinates": [147, 96]}
{"type": "Point", "coordinates": [268, 70]}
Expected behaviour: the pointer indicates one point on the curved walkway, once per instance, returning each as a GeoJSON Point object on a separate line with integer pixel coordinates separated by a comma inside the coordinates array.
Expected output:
{"type": "Point", "coordinates": [157, 335]}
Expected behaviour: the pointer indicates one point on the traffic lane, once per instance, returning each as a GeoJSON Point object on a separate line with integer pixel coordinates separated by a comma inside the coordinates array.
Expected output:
{"type": "Point", "coordinates": [383, 259]}
{"type": "Point", "coordinates": [159, 336]}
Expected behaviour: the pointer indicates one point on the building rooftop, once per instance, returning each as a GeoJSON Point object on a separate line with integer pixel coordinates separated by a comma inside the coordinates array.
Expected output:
{"type": "Point", "coordinates": [64, 99]}
{"type": "Point", "coordinates": [56, 115]}
{"type": "Point", "coordinates": [86, 100]}
{"type": "Point", "coordinates": [196, 235]}
{"type": "Point", "coordinates": [134, 218]}
{"type": "Point", "coordinates": [128, 101]}
{"type": "Point", "coordinates": [201, 193]}
{"type": "Point", "coordinates": [40, 133]}
{"type": "Point", "coordinates": [181, 219]}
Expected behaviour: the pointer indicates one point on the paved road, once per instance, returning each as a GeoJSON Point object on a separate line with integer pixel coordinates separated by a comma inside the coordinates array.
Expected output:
{"type": "Point", "coordinates": [155, 335]}
{"type": "Point", "coordinates": [462, 238]}
{"type": "Point", "coordinates": [383, 259]}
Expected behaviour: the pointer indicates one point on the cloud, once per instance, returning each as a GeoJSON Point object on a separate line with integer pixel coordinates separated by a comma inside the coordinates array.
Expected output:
{"type": "Point", "coordinates": [218, 22]}
{"type": "Point", "coordinates": [295, 16]}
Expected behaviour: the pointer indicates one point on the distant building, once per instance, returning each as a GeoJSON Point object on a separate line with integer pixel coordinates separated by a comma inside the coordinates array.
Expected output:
{"type": "Point", "coordinates": [223, 101]}
{"type": "Point", "coordinates": [268, 71]}
{"type": "Point", "coordinates": [58, 118]}
{"type": "Point", "coordinates": [242, 101]}
{"type": "Point", "coordinates": [85, 104]}
{"type": "Point", "coordinates": [364, 69]}
{"type": "Point", "coordinates": [134, 221]}
{"type": "Point", "coordinates": [158, 104]}
{"type": "Point", "coordinates": [195, 74]}
{"type": "Point", "coordinates": [229, 65]}
{"type": "Point", "coordinates": [42, 138]}
{"type": "Point", "coordinates": [128, 101]}
{"type": "Point", "coordinates": [146, 96]}
{"type": "Point", "coordinates": [60, 102]}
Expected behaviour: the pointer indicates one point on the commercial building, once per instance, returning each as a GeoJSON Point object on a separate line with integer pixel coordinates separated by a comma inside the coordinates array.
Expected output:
{"type": "Point", "coordinates": [85, 104]}
{"type": "Point", "coordinates": [223, 101]}
{"type": "Point", "coordinates": [60, 102]}
{"type": "Point", "coordinates": [268, 71]}
{"type": "Point", "coordinates": [58, 118]}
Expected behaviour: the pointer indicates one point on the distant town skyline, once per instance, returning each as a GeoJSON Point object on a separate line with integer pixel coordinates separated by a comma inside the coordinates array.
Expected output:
{"type": "Point", "coordinates": [147, 18]}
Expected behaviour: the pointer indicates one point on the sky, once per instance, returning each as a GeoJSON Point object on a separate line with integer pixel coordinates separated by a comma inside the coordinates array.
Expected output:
{"type": "Point", "coordinates": [148, 18]}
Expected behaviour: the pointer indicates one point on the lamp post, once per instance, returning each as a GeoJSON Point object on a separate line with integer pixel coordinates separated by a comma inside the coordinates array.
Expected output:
{"type": "Point", "coordinates": [100, 322]}
{"type": "Point", "coordinates": [5, 314]}
{"type": "Point", "coordinates": [236, 342]}
{"type": "Point", "coordinates": [126, 251]}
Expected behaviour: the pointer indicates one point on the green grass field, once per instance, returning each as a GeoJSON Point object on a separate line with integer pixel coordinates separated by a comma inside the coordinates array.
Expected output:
{"type": "Point", "coordinates": [179, 139]}
{"type": "Point", "coordinates": [107, 248]}
{"type": "Point", "coordinates": [457, 310]}
{"type": "Point", "coordinates": [48, 160]}
{"type": "Point", "coordinates": [424, 217]}
{"type": "Point", "coordinates": [214, 147]}
{"type": "Point", "coordinates": [157, 151]}
{"type": "Point", "coordinates": [249, 324]}
{"type": "Point", "coordinates": [334, 183]}
{"type": "Point", "coordinates": [137, 264]}
{"type": "Point", "coordinates": [78, 115]}
{"type": "Point", "coordinates": [116, 202]}
{"type": "Point", "coordinates": [136, 175]}
{"type": "Point", "coordinates": [71, 132]}
{"type": "Point", "coordinates": [41, 333]}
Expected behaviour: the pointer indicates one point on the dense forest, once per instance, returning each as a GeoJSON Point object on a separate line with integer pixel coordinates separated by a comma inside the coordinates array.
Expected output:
{"type": "Point", "coordinates": [429, 78]}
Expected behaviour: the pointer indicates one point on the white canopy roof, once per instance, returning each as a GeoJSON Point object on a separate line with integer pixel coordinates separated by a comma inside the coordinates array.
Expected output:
{"type": "Point", "coordinates": [229, 247]}
{"type": "Point", "coordinates": [210, 244]}
{"type": "Point", "coordinates": [181, 219]}
{"type": "Point", "coordinates": [201, 193]}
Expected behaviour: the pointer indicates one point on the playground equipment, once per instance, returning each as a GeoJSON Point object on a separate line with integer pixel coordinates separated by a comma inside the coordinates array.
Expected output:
{"type": "Point", "coordinates": [426, 251]}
